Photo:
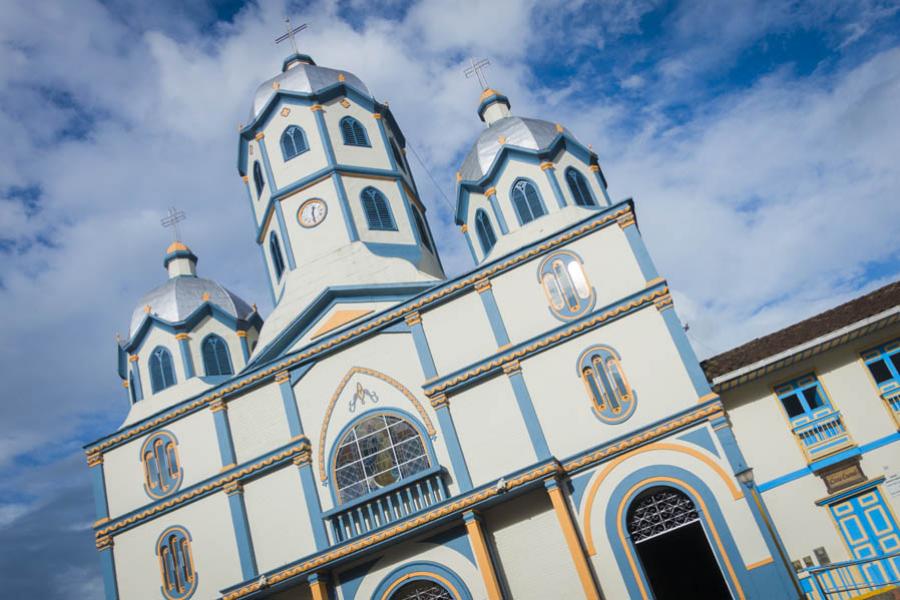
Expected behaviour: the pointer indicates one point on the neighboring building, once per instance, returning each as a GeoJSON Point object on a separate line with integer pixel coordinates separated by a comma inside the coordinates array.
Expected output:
{"type": "Point", "coordinates": [816, 409]}
{"type": "Point", "coordinates": [537, 427]}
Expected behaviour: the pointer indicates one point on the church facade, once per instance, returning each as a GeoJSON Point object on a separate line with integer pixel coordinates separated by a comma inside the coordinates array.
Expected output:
{"type": "Point", "coordinates": [537, 427]}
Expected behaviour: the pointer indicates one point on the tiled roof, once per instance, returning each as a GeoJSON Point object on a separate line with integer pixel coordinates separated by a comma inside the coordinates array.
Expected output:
{"type": "Point", "coordinates": [846, 314]}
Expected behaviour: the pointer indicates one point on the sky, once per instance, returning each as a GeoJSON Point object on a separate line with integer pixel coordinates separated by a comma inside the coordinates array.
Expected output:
{"type": "Point", "coordinates": [759, 140]}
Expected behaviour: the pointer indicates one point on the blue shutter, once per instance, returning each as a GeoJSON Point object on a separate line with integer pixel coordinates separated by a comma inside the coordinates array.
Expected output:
{"type": "Point", "coordinates": [258, 178]}
{"type": "Point", "coordinates": [377, 210]}
{"type": "Point", "coordinates": [485, 232]}
{"type": "Point", "coordinates": [162, 373]}
{"type": "Point", "coordinates": [293, 142]}
{"type": "Point", "coordinates": [277, 258]}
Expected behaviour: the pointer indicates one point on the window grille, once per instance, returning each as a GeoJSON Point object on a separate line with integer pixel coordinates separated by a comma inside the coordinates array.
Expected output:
{"type": "Point", "coordinates": [421, 590]}
{"type": "Point", "coordinates": [293, 142]}
{"type": "Point", "coordinates": [176, 563]}
{"type": "Point", "coordinates": [216, 359]}
{"type": "Point", "coordinates": [527, 201]}
{"type": "Point", "coordinates": [659, 512]}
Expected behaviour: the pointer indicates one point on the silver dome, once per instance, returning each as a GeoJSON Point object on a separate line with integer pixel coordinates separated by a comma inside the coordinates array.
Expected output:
{"type": "Point", "coordinates": [178, 297]}
{"type": "Point", "coordinates": [533, 134]}
{"type": "Point", "coordinates": [302, 78]}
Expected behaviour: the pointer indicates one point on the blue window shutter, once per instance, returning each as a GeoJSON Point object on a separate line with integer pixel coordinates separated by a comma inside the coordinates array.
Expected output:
{"type": "Point", "coordinates": [485, 232]}
{"type": "Point", "coordinates": [377, 210]}
{"type": "Point", "coordinates": [534, 202]}
{"type": "Point", "coordinates": [579, 187]}
{"type": "Point", "coordinates": [293, 142]}
{"type": "Point", "coordinates": [277, 258]}
{"type": "Point", "coordinates": [258, 178]}
{"type": "Point", "coordinates": [162, 373]}
{"type": "Point", "coordinates": [216, 360]}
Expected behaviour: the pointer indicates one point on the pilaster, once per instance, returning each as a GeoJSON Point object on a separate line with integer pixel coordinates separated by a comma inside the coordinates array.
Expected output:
{"type": "Point", "coordinates": [137, 392]}
{"type": "Point", "coordinates": [235, 493]}
{"type": "Point", "coordinates": [223, 433]}
{"type": "Point", "coordinates": [598, 174]}
{"type": "Point", "coordinates": [491, 194]}
{"type": "Point", "coordinates": [550, 170]}
{"type": "Point", "coordinates": [485, 291]}
{"type": "Point", "coordinates": [245, 346]}
{"type": "Point", "coordinates": [513, 370]}
{"type": "Point", "coordinates": [451, 439]}
{"type": "Point", "coordinates": [291, 413]}
{"type": "Point", "coordinates": [186, 359]}
{"type": "Point", "coordinates": [311, 496]}
{"type": "Point", "coordinates": [573, 539]}
{"type": "Point", "coordinates": [98, 483]}
{"type": "Point", "coordinates": [482, 555]}
{"type": "Point", "coordinates": [318, 587]}
{"type": "Point", "coordinates": [108, 567]}
{"type": "Point", "coordinates": [464, 229]}
{"type": "Point", "coordinates": [683, 345]}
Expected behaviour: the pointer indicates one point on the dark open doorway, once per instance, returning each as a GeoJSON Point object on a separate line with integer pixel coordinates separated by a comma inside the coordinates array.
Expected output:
{"type": "Point", "coordinates": [673, 548]}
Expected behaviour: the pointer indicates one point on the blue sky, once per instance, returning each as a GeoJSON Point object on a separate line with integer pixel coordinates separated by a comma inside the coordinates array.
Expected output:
{"type": "Point", "coordinates": [758, 139]}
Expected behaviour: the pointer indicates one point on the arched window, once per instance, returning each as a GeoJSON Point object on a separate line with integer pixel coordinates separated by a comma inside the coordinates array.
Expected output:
{"type": "Point", "coordinates": [579, 187]}
{"type": "Point", "coordinates": [258, 178]}
{"type": "Point", "coordinates": [353, 132]}
{"type": "Point", "coordinates": [132, 392]}
{"type": "Point", "coordinates": [162, 373]}
{"type": "Point", "coordinates": [658, 511]}
{"type": "Point", "coordinates": [377, 209]}
{"type": "Point", "coordinates": [376, 452]}
{"type": "Point", "coordinates": [422, 589]}
{"type": "Point", "coordinates": [176, 563]}
{"type": "Point", "coordinates": [398, 156]}
{"type": "Point", "coordinates": [293, 142]}
{"type": "Point", "coordinates": [162, 469]}
{"type": "Point", "coordinates": [614, 400]}
{"type": "Point", "coordinates": [216, 360]}
{"type": "Point", "coordinates": [485, 231]}
{"type": "Point", "coordinates": [423, 230]}
{"type": "Point", "coordinates": [566, 285]}
{"type": "Point", "coordinates": [277, 256]}
{"type": "Point", "coordinates": [527, 201]}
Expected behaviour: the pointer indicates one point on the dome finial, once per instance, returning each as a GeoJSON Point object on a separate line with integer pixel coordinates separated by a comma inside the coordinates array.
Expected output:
{"type": "Point", "coordinates": [493, 105]}
{"type": "Point", "coordinates": [179, 258]}
{"type": "Point", "coordinates": [296, 57]}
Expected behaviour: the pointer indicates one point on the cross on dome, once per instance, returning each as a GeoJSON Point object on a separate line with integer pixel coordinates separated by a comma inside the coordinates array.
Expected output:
{"type": "Point", "coordinates": [172, 220]}
{"type": "Point", "coordinates": [477, 69]}
{"type": "Point", "coordinates": [290, 33]}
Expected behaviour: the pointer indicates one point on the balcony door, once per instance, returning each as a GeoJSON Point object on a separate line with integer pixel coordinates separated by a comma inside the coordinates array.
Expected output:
{"type": "Point", "coordinates": [870, 530]}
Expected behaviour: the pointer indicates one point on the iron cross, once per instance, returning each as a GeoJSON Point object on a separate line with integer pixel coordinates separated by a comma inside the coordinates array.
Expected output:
{"type": "Point", "coordinates": [172, 220]}
{"type": "Point", "coordinates": [291, 31]}
{"type": "Point", "coordinates": [477, 69]}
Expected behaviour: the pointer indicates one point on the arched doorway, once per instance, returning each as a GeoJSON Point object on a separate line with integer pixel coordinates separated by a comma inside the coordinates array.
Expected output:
{"type": "Point", "coordinates": [422, 589]}
{"type": "Point", "coordinates": [672, 546]}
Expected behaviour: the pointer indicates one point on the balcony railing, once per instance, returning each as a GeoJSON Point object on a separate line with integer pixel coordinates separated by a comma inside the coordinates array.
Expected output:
{"type": "Point", "coordinates": [851, 579]}
{"type": "Point", "coordinates": [892, 399]}
{"type": "Point", "coordinates": [391, 503]}
{"type": "Point", "coordinates": [823, 436]}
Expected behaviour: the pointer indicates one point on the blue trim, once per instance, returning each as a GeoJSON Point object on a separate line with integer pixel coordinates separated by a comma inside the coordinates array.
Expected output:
{"type": "Point", "coordinates": [457, 539]}
{"type": "Point", "coordinates": [271, 286]}
{"type": "Point", "coordinates": [223, 437]}
{"type": "Point", "coordinates": [138, 391]}
{"type": "Point", "coordinates": [492, 99]}
{"type": "Point", "coordinates": [554, 183]}
{"type": "Point", "coordinates": [545, 267]}
{"type": "Point", "coordinates": [326, 138]}
{"type": "Point", "coordinates": [579, 485]}
{"type": "Point", "coordinates": [245, 347]}
{"type": "Point", "coordinates": [494, 317]}
{"type": "Point", "coordinates": [396, 412]}
{"type": "Point", "coordinates": [498, 214]}
{"type": "Point", "coordinates": [537, 191]}
{"type": "Point", "coordinates": [602, 181]}
{"type": "Point", "coordinates": [285, 155]}
{"type": "Point", "coordinates": [182, 538]}
{"type": "Point", "coordinates": [686, 352]}
{"type": "Point", "coordinates": [179, 254]}
{"type": "Point", "coordinates": [604, 382]}
{"type": "Point", "coordinates": [826, 462]}
{"type": "Point", "coordinates": [98, 483]}
{"type": "Point", "coordinates": [298, 57]}
{"type": "Point", "coordinates": [532, 424]}
{"type": "Point", "coordinates": [471, 247]}
{"type": "Point", "coordinates": [422, 566]}
{"type": "Point", "coordinates": [454, 449]}
{"type": "Point", "coordinates": [423, 350]}
{"type": "Point", "coordinates": [313, 505]}
{"type": "Point", "coordinates": [186, 359]}
{"type": "Point", "coordinates": [356, 127]}
{"type": "Point", "coordinates": [108, 570]}
{"type": "Point", "coordinates": [291, 412]}
{"type": "Point", "coordinates": [648, 269]}
{"type": "Point", "coordinates": [713, 514]}
{"type": "Point", "coordinates": [700, 437]}
{"type": "Point", "coordinates": [387, 147]}
{"type": "Point", "coordinates": [206, 309]}
{"type": "Point", "coordinates": [242, 534]}
{"type": "Point", "coordinates": [350, 580]}
{"type": "Point", "coordinates": [267, 166]}
{"type": "Point", "coordinates": [286, 239]}
{"type": "Point", "coordinates": [345, 206]}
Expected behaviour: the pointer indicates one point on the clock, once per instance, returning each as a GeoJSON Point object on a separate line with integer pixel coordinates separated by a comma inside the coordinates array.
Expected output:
{"type": "Point", "coordinates": [312, 212]}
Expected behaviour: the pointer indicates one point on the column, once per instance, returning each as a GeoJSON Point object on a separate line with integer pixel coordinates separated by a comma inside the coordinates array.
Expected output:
{"type": "Point", "coordinates": [514, 371]}
{"type": "Point", "coordinates": [722, 427]}
{"type": "Point", "coordinates": [550, 170]}
{"type": "Point", "coordinates": [186, 358]}
{"type": "Point", "coordinates": [291, 413]}
{"type": "Point", "coordinates": [676, 330]}
{"type": "Point", "coordinates": [235, 492]}
{"type": "Point", "coordinates": [137, 392]}
{"type": "Point", "coordinates": [491, 194]}
{"type": "Point", "coordinates": [629, 226]}
{"type": "Point", "coordinates": [595, 169]}
{"type": "Point", "coordinates": [318, 586]}
{"type": "Point", "coordinates": [108, 567]}
{"type": "Point", "coordinates": [464, 229]}
{"type": "Point", "coordinates": [573, 540]}
{"type": "Point", "coordinates": [483, 287]}
{"type": "Point", "coordinates": [482, 555]}
{"type": "Point", "coordinates": [98, 482]}
{"type": "Point", "coordinates": [223, 433]}
{"type": "Point", "coordinates": [245, 346]}
{"type": "Point", "coordinates": [311, 496]}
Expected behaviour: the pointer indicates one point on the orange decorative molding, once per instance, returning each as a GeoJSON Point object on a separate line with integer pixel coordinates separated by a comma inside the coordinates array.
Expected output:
{"type": "Point", "coordinates": [105, 542]}
{"type": "Point", "coordinates": [233, 487]}
{"type": "Point", "coordinates": [546, 166]}
{"type": "Point", "coordinates": [282, 376]}
{"type": "Point", "coordinates": [663, 302]}
{"type": "Point", "coordinates": [218, 405]}
{"type": "Point", "coordinates": [316, 107]}
{"type": "Point", "coordinates": [413, 318]}
{"type": "Point", "coordinates": [376, 115]}
{"type": "Point", "coordinates": [342, 77]}
{"type": "Point", "coordinates": [285, 111]}
{"type": "Point", "coordinates": [512, 366]}
{"type": "Point", "coordinates": [595, 168]}
{"type": "Point", "coordinates": [626, 220]}
{"type": "Point", "coordinates": [182, 336]}
{"type": "Point", "coordinates": [94, 460]}
{"type": "Point", "coordinates": [491, 191]}
{"type": "Point", "coordinates": [345, 103]}
{"type": "Point", "coordinates": [260, 136]}
{"type": "Point", "coordinates": [241, 333]}
{"type": "Point", "coordinates": [482, 285]}
{"type": "Point", "coordinates": [339, 318]}
{"type": "Point", "coordinates": [133, 358]}
{"type": "Point", "coordinates": [439, 401]}
{"type": "Point", "coordinates": [464, 228]}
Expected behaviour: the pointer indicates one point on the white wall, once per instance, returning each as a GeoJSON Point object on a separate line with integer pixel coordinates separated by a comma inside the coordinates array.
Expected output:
{"type": "Point", "coordinates": [258, 422]}
{"type": "Point", "coordinates": [458, 333]}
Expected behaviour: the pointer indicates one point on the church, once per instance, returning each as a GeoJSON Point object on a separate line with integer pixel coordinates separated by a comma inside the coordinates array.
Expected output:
{"type": "Point", "coordinates": [537, 427]}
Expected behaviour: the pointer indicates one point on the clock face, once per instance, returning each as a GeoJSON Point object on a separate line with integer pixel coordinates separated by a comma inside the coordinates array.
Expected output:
{"type": "Point", "coordinates": [312, 212]}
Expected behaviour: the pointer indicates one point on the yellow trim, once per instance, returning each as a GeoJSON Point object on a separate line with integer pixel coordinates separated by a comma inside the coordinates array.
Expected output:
{"type": "Point", "coordinates": [318, 589]}
{"type": "Point", "coordinates": [260, 136]}
{"type": "Point", "coordinates": [182, 336]}
{"type": "Point", "coordinates": [323, 433]}
{"type": "Point", "coordinates": [386, 318]}
{"type": "Point", "coordinates": [339, 318]}
{"type": "Point", "coordinates": [133, 358]}
{"type": "Point", "coordinates": [546, 166]}
{"type": "Point", "coordinates": [342, 77]}
{"type": "Point", "coordinates": [316, 107]}
{"type": "Point", "coordinates": [707, 397]}
{"type": "Point", "coordinates": [413, 318]}
{"type": "Point", "coordinates": [285, 111]}
{"type": "Point", "coordinates": [483, 558]}
{"type": "Point", "coordinates": [760, 563]}
{"type": "Point", "coordinates": [245, 178]}
{"type": "Point", "coordinates": [401, 580]}
{"type": "Point", "coordinates": [626, 220]}
{"type": "Point", "coordinates": [345, 103]}
{"type": "Point", "coordinates": [376, 115]}
{"type": "Point", "coordinates": [491, 191]}
{"type": "Point", "coordinates": [463, 228]}
{"type": "Point", "coordinates": [487, 93]}
{"type": "Point", "coordinates": [703, 511]}
{"type": "Point", "coordinates": [176, 246]}
{"type": "Point", "coordinates": [482, 285]}
{"type": "Point", "coordinates": [595, 168]}
{"type": "Point", "coordinates": [241, 333]}
{"type": "Point", "coordinates": [591, 494]}
{"type": "Point", "coordinates": [561, 507]}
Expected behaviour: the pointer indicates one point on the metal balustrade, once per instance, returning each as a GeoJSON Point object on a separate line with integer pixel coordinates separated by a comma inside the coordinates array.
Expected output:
{"type": "Point", "coordinates": [852, 578]}
{"type": "Point", "coordinates": [389, 504]}
{"type": "Point", "coordinates": [823, 435]}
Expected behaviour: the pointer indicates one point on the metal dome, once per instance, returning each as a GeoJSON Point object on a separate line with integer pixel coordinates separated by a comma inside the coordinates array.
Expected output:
{"type": "Point", "coordinates": [532, 134]}
{"type": "Point", "coordinates": [178, 297]}
{"type": "Point", "coordinates": [304, 78]}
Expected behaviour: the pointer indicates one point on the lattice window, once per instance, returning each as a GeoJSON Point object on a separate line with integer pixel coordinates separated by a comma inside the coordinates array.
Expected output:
{"type": "Point", "coordinates": [293, 142]}
{"type": "Point", "coordinates": [658, 512]}
{"type": "Point", "coordinates": [421, 590]}
{"type": "Point", "coordinates": [375, 453]}
{"type": "Point", "coordinates": [176, 563]}
{"type": "Point", "coordinates": [527, 201]}
{"type": "Point", "coordinates": [353, 132]}
{"type": "Point", "coordinates": [216, 359]}
{"type": "Point", "coordinates": [162, 373]}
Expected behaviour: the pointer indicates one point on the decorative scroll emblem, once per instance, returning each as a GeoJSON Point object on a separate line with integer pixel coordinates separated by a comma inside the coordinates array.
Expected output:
{"type": "Point", "coordinates": [360, 396]}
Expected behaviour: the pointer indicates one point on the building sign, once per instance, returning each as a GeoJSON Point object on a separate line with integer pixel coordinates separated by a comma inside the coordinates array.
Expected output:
{"type": "Point", "coordinates": [892, 484]}
{"type": "Point", "coordinates": [842, 475]}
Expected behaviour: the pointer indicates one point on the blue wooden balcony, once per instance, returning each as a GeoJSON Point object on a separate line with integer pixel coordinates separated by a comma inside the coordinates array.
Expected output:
{"type": "Point", "coordinates": [823, 435]}
{"type": "Point", "coordinates": [387, 505]}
